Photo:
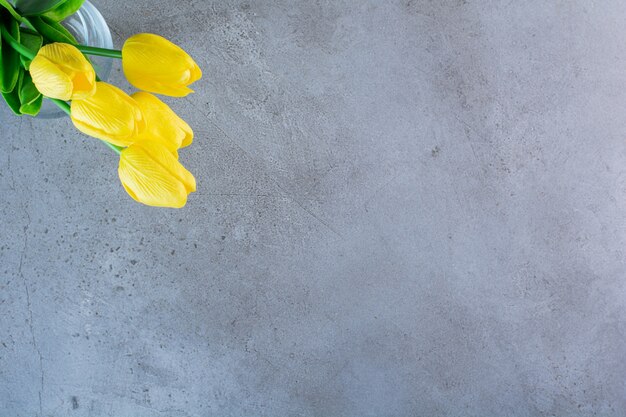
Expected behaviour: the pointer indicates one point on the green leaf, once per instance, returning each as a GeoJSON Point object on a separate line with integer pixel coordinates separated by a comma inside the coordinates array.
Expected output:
{"type": "Point", "coordinates": [7, 5]}
{"type": "Point", "coordinates": [30, 98]}
{"type": "Point", "coordinates": [32, 41]}
{"type": "Point", "coordinates": [28, 92]}
{"type": "Point", "coordinates": [36, 7]}
{"type": "Point", "coordinates": [13, 97]}
{"type": "Point", "coordinates": [13, 101]}
{"type": "Point", "coordinates": [51, 31]}
{"type": "Point", "coordinates": [24, 99]}
{"type": "Point", "coordinates": [9, 57]}
{"type": "Point", "coordinates": [64, 10]}
{"type": "Point", "coordinates": [32, 108]}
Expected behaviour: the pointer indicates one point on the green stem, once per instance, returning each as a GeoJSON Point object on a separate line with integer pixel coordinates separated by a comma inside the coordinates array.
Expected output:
{"type": "Point", "coordinates": [61, 104]}
{"type": "Point", "coordinates": [116, 149]}
{"type": "Point", "coordinates": [92, 50]}
{"type": "Point", "coordinates": [67, 109]}
{"type": "Point", "coordinates": [16, 45]}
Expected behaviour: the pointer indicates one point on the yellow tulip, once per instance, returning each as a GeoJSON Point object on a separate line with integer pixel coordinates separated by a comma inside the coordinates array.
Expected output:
{"type": "Point", "coordinates": [154, 64]}
{"type": "Point", "coordinates": [153, 176]}
{"type": "Point", "coordinates": [162, 124]}
{"type": "Point", "coordinates": [61, 71]}
{"type": "Point", "coordinates": [110, 114]}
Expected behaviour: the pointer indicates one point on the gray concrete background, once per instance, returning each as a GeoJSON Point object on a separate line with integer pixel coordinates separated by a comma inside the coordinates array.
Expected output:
{"type": "Point", "coordinates": [405, 208]}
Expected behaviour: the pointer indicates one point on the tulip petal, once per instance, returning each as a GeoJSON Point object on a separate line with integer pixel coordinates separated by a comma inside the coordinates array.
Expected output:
{"type": "Point", "coordinates": [110, 114]}
{"type": "Point", "coordinates": [151, 175]}
{"type": "Point", "coordinates": [188, 135]}
{"type": "Point", "coordinates": [170, 90]}
{"type": "Point", "coordinates": [67, 56]}
{"type": "Point", "coordinates": [49, 79]}
{"type": "Point", "coordinates": [84, 86]}
{"type": "Point", "coordinates": [169, 163]}
{"type": "Point", "coordinates": [55, 59]}
{"type": "Point", "coordinates": [162, 124]}
{"type": "Point", "coordinates": [154, 64]}
{"type": "Point", "coordinates": [196, 73]}
{"type": "Point", "coordinates": [158, 62]}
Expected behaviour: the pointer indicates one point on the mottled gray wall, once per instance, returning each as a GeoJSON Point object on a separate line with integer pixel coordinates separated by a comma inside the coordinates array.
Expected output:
{"type": "Point", "coordinates": [405, 208]}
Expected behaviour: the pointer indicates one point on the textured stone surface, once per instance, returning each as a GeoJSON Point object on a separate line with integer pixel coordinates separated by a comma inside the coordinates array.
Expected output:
{"type": "Point", "coordinates": [405, 208]}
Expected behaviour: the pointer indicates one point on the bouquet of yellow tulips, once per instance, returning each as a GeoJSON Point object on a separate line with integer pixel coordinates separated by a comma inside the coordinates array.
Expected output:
{"type": "Point", "coordinates": [40, 59]}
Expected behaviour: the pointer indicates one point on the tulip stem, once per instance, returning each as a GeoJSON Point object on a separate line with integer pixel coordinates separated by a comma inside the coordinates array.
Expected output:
{"type": "Point", "coordinates": [92, 50]}
{"type": "Point", "coordinates": [61, 104]}
{"type": "Point", "coordinates": [15, 44]}
{"type": "Point", "coordinates": [116, 149]}
{"type": "Point", "coordinates": [67, 109]}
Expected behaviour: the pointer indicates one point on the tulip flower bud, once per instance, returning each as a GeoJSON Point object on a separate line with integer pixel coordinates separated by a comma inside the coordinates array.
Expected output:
{"type": "Point", "coordinates": [152, 63]}
{"type": "Point", "coordinates": [61, 71]}
{"type": "Point", "coordinates": [162, 124]}
{"type": "Point", "coordinates": [110, 114]}
{"type": "Point", "coordinates": [153, 176]}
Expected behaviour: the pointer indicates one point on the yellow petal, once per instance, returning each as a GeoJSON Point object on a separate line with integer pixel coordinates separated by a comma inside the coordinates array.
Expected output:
{"type": "Point", "coordinates": [110, 114]}
{"type": "Point", "coordinates": [67, 59]}
{"type": "Point", "coordinates": [66, 56]}
{"type": "Point", "coordinates": [153, 176]}
{"type": "Point", "coordinates": [162, 124]}
{"type": "Point", "coordinates": [50, 80]}
{"type": "Point", "coordinates": [154, 64]}
{"type": "Point", "coordinates": [196, 73]}
{"type": "Point", "coordinates": [169, 90]}
{"type": "Point", "coordinates": [188, 134]}
{"type": "Point", "coordinates": [84, 86]}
